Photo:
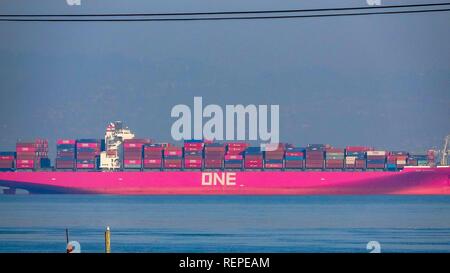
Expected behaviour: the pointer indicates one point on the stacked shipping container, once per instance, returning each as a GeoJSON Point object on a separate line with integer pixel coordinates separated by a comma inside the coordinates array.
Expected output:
{"type": "Point", "coordinates": [334, 158]}
{"type": "Point", "coordinates": [376, 159]}
{"type": "Point", "coordinates": [355, 157]}
{"type": "Point", "coordinates": [88, 151]}
{"type": "Point", "coordinates": [315, 156]}
{"type": "Point", "coordinates": [32, 154]}
{"type": "Point", "coordinates": [193, 154]}
{"type": "Point", "coordinates": [294, 158]}
{"type": "Point", "coordinates": [253, 158]}
{"type": "Point", "coordinates": [214, 155]}
{"type": "Point", "coordinates": [132, 153]}
{"type": "Point", "coordinates": [7, 160]}
{"type": "Point", "coordinates": [234, 158]}
{"type": "Point", "coordinates": [173, 157]}
{"type": "Point", "coordinates": [197, 154]}
{"type": "Point", "coordinates": [396, 160]}
{"type": "Point", "coordinates": [417, 160]}
{"type": "Point", "coordinates": [153, 156]}
{"type": "Point", "coordinates": [273, 156]}
{"type": "Point", "coordinates": [65, 154]}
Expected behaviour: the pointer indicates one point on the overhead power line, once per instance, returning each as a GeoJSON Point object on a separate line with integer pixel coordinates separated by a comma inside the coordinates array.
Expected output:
{"type": "Point", "coordinates": [225, 12]}
{"type": "Point", "coordinates": [273, 14]}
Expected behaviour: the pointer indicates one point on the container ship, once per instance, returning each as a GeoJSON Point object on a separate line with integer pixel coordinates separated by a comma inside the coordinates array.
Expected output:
{"type": "Point", "coordinates": [121, 164]}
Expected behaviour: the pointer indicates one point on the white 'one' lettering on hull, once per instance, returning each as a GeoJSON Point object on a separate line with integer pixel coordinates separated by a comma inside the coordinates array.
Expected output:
{"type": "Point", "coordinates": [213, 179]}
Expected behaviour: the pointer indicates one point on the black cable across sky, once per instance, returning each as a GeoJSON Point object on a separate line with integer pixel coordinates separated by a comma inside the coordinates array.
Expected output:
{"type": "Point", "coordinates": [392, 9]}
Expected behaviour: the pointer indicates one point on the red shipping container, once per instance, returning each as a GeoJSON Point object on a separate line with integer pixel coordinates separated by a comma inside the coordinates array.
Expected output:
{"type": "Point", "coordinates": [215, 148]}
{"type": "Point", "coordinates": [273, 165]}
{"type": "Point", "coordinates": [315, 153]}
{"type": "Point", "coordinates": [193, 149]}
{"type": "Point", "coordinates": [138, 140]}
{"type": "Point", "coordinates": [334, 150]}
{"type": "Point", "coordinates": [173, 153]}
{"type": "Point", "coordinates": [274, 156]}
{"type": "Point", "coordinates": [131, 161]}
{"type": "Point", "coordinates": [193, 144]}
{"type": "Point", "coordinates": [153, 153]}
{"type": "Point", "coordinates": [412, 162]}
{"type": "Point", "coordinates": [349, 165]}
{"type": "Point", "coordinates": [173, 150]}
{"type": "Point", "coordinates": [232, 166]}
{"type": "Point", "coordinates": [153, 157]}
{"type": "Point", "coordinates": [26, 149]}
{"type": "Point", "coordinates": [314, 164]}
{"type": "Point", "coordinates": [360, 163]}
{"type": "Point", "coordinates": [213, 166]}
{"type": "Point", "coordinates": [237, 148]}
{"type": "Point", "coordinates": [85, 157]}
{"type": "Point", "coordinates": [295, 154]}
{"type": "Point", "coordinates": [193, 166]}
{"type": "Point", "coordinates": [24, 161]}
{"type": "Point", "coordinates": [219, 158]}
{"type": "Point", "coordinates": [25, 166]}
{"type": "Point", "coordinates": [237, 144]}
{"type": "Point", "coordinates": [313, 161]}
{"type": "Point", "coordinates": [66, 141]}
{"type": "Point", "coordinates": [152, 161]}
{"type": "Point", "coordinates": [192, 161]}
{"type": "Point", "coordinates": [213, 163]}
{"type": "Point", "coordinates": [375, 166]}
{"type": "Point", "coordinates": [213, 160]}
{"type": "Point", "coordinates": [297, 164]}
{"type": "Point", "coordinates": [152, 166]}
{"type": "Point", "coordinates": [233, 157]}
{"type": "Point", "coordinates": [65, 164]}
{"type": "Point", "coordinates": [214, 157]}
{"type": "Point", "coordinates": [221, 155]}
{"type": "Point", "coordinates": [132, 158]}
{"type": "Point", "coordinates": [132, 145]}
{"type": "Point", "coordinates": [172, 165]}
{"type": "Point", "coordinates": [85, 166]}
{"type": "Point", "coordinates": [153, 148]}
{"type": "Point", "coordinates": [253, 161]}
{"type": "Point", "coordinates": [172, 160]}
{"type": "Point", "coordinates": [334, 164]}
{"type": "Point", "coordinates": [253, 166]}
{"type": "Point", "coordinates": [358, 149]}
{"type": "Point", "coordinates": [88, 145]}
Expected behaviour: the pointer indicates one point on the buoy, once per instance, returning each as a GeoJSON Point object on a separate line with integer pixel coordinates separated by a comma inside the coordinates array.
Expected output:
{"type": "Point", "coordinates": [108, 240]}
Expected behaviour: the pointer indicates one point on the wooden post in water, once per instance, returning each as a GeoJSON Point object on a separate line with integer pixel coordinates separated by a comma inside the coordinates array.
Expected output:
{"type": "Point", "coordinates": [108, 240]}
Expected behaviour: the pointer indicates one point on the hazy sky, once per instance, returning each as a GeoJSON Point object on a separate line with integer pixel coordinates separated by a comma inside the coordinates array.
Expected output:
{"type": "Point", "coordinates": [379, 80]}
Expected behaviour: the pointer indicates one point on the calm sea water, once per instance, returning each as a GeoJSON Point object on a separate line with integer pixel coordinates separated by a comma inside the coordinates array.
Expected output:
{"type": "Point", "coordinates": [36, 223]}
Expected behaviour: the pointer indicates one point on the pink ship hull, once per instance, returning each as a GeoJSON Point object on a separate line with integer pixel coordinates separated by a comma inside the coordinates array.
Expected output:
{"type": "Point", "coordinates": [408, 181]}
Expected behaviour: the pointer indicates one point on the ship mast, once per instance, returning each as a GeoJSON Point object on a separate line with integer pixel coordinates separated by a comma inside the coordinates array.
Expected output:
{"type": "Point", "coordinates": [445, 151]}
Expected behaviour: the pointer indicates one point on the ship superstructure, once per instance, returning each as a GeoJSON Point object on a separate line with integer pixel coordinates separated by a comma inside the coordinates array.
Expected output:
{"type": "Point", "coordinates": [116, 134]}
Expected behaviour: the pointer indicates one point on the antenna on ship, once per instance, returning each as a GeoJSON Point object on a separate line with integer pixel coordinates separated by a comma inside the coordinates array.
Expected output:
{"type": "Point", "coordinates": [445, 151]}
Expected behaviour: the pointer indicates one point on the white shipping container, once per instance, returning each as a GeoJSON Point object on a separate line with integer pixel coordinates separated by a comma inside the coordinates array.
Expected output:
{"type": "Point", "coordinates": [350, 159]}
{"type": "Point", "coordinates": [369, 153]}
